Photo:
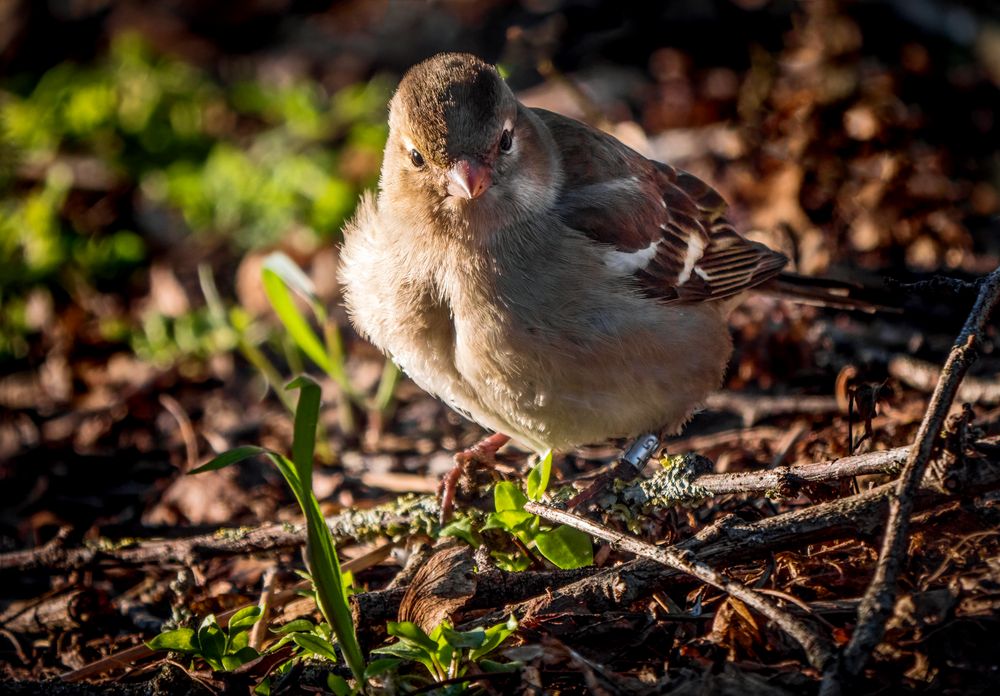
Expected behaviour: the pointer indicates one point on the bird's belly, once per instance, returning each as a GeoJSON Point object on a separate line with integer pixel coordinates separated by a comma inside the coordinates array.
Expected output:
{"type": "Point", "coordinates": [549, 389]}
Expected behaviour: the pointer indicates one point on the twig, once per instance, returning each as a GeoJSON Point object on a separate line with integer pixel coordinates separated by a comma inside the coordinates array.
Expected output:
{"type": "Point", "coordinates": [257, 632]}
{"type": "Point", "coordinates": [779, 478]}
{"type": "Point", "coordinates": [404, 516]}
{"type": "Point", "coordinates": [62, 610]}
{"type": "Point", "coordinates": [923, 375]}
{"type": "Point", "coordinates": [753, 408]}
{"type": "Point", "coordinates": [936, 286]}
{"type": "Point", "coordinates": [681, 482]}
{"type": "Point", "coordinates": [817, 647]}
{"type": "Point", "coordinates": [876, 607]}
{"type": "Point", "coordinates": [730, 540]}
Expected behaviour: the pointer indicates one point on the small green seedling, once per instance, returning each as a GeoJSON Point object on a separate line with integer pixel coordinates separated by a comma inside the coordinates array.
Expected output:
{"type": "Point", "coordinates": [445, 653]}
{"type": "Point", "coordinates": [563, 546]}
{"type": "Point", "coordinates": [307, 640]}
{"type": "Point", "coordinates": [223, 649]}
{"type": "Point", "coordinates": [321, 555]}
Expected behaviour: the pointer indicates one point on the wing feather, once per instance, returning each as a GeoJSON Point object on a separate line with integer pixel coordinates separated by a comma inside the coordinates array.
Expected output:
{"type": "Point", "coordinates": [665, 226]}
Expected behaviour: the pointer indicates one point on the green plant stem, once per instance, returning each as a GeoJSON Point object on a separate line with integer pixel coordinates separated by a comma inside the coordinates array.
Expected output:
{"type": "Point", "coordinates": [338, 373]}
{"type": "Point", "coordinates": [260, 361]}
{"type": "Point", "coordinates": [387, 387]}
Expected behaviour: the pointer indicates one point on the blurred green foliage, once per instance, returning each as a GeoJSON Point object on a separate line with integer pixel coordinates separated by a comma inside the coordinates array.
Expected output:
{"type": "Point", "coordinates": [243, 160]}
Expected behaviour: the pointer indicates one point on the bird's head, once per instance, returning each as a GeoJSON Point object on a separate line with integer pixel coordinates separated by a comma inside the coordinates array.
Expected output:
{"type": "Point", "coordinates": [461, 146]}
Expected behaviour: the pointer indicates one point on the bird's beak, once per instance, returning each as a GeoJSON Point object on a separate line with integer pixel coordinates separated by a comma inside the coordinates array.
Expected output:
{"type": "Point", "coordinates": [469, 178]}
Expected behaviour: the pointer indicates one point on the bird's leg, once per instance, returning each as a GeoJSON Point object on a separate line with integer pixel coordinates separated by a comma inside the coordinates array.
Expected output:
{"type": "Point", "coordinates": [630, 464]}
{"type": "Point", "coordinates": [482, 453]}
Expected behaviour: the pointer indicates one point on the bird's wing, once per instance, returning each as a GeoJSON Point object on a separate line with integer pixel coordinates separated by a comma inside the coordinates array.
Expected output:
{"type": "Point", "coordinates": [665, 226]}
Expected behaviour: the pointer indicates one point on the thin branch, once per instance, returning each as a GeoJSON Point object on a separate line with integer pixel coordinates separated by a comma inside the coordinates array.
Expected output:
{"type": "Point", "coordinates": [817, 647]}
{"type": "Point", "coordinates": [923, 375]}
{"type": "Point", "coordinates": [680, 481]}
{"type": "Point", "coordinates": [403, 516]}
{"type": "Point", "coordinates": [879, 599]}
{"type": "Point", "coordinates": [258, 631]}
{"type": "Point", "coordinates": [731, 540]}
{"type": "Point", "coordinates": [753, 408]}
{"type": "Point", "coordinates": [779, 478]}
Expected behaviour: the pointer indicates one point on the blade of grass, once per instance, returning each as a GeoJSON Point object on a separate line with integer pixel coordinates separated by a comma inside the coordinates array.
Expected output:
{"type": "Point", "coordinates": [306, 421]}
{"type": "Point", "coordinates": [324, 565]}
{"type": "Point", "coordinates": [295, 323]}
{"type": "Point", "coordinates": [281, 278]}
{"type": "Point", "coordinates": [246, 347]}
{"type": "Point", "coordinates": [230, 457]}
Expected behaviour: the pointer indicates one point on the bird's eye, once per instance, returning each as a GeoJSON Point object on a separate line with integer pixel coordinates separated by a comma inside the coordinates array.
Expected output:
{"type": "Point", "coordinates": [416, 158]}
{"type": "Point", "coordinates": [506, 141]}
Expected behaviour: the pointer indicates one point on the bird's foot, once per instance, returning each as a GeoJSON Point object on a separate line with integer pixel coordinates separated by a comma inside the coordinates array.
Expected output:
{"type": "Point", "coordinates": [629, 464]}
{"type": "Point", "coordinates": [483, 453]}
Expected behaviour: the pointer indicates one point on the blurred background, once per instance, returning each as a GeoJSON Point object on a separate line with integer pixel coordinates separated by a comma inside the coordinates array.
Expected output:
{"type": "Point", "coordinates": [153, 152]}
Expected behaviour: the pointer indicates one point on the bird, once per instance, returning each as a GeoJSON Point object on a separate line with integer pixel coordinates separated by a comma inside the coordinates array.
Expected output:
{"type": "Point", "coordinates": [537, 275]}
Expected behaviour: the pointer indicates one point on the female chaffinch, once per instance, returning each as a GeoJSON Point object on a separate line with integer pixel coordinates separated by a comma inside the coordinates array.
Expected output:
{"type": "Point", "coordinates": [537, 275]}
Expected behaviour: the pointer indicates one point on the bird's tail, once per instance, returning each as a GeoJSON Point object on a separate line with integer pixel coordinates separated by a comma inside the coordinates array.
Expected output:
{"type": "Point", "coordinates": [826, 292]}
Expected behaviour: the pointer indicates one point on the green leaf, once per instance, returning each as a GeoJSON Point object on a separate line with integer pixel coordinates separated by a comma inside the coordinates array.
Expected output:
{"type": "Point", "coordinates": [238, 640]}
{"type": "Point", "coordinates": [338, 685]}
{"type": "Point", "coordinates": [409, 632]}
{"type": "Point", "coordinates": [306, 420]}
{"type": "Point", "coordinates": [284, 640]}
{"type": "Point", "coordinates": [404, 651]}
{"type": "Point", "coordinates": [292, 626]}
{"type": "Point", "coordinates": [211, 639]}
{"type": "Point", "coordinates": [263, 688]}
{"type": "Point", "coordinates": [331, 594]}
{"type": "Point", "coordinates": [286, 467]}
{"type": "Point", "coordinates": [566, 547]}
{"type": "Point", "coordinates": [324, 567]}
{"type": "Point", "coordinates": [316, 646]}
{"type": "Point", "coordinates": [442, 658]}
{"type": "Point", "coordinates": [538, 478]}
{"type": "Point", "coordinates": [507, 496]}
{"type": "Point", "coordinates": [381, 666]}
{"type": "Point", "coordinates": [492, 666]}
{"type": "Point", "coordinates": [495, 635]}
{"type": "Point", "coordinates": [178, 640]}
{"type": "Point", "coordinates": [517, 522]}
{"type": "Point", "coordinates": [292, 276]}
{"type": "Point", "coordinates": [324, 631]}
{"type": "Point", "coordinates": [437, 633]}
{"type": "Point", "coordinates": [463, 640]}
{"type": "Point", "coordinates": [462, 528]}
{"type": "Point", "coordinates": [231, 457]}
{"type": "Point", "coordinates": [513, 562]}
{"type": "Point", "coordinates": [247, 654]}
{"type": "Point", "coordinates": [294, 321]}
{"type": "Point", "coordinates": [410, 653]}
{"type": "Point", "coordinates": [244, 618]}
{"type": "Point", "coordinates": [348, 580]}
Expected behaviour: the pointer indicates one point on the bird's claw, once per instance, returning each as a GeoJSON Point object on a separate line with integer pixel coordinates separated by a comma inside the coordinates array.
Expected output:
{"type": "Point", "coordinates": [482, 454]}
